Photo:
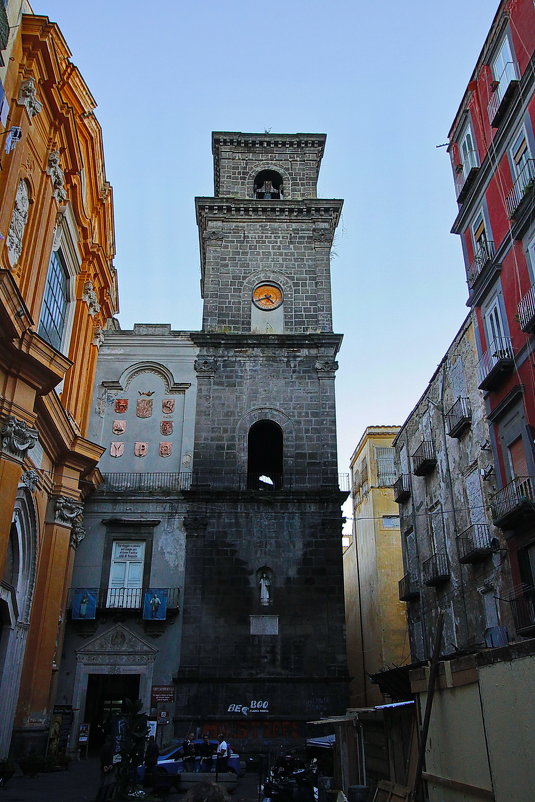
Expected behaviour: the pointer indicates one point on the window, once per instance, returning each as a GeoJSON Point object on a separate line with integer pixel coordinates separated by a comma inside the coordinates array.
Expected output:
{"type": "Point", "coordinates": [467, 150]}
{"type": "Point", "coordinates": [503, 67]}
{"type": "Point", "coordinates": [385, 466]}
{"type": "Point", "coordinates": [125, 585]}
{"type": "Point", "coordinates": [479, 233]}
{"type": "Point", "coordinates": [516, 459]}
{"type": "Point", "coordinates": [390, 521]}
{"type": "Point", "coordinates": [520, 155]}
{"type": "Point", "coordinates": [55, 302]}
{"type": "Point", "coordinates": [494, 329]}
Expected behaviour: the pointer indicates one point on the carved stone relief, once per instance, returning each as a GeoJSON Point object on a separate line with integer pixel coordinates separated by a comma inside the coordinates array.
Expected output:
{"type": "Point", "coordinates": [166, 427]}
{"type": "Point", "coordinates": [116, 449]}
{"type": "Point", "coordinates": [205, 367]}
{"type": "Point", "coordinates": [90, 297]}
{"type": "Point", "coordinates": [77, 534]}
{"type": "Point", "coordinates": [118, 427]}
{"type": "Point", "coordinates": [28, 97]}
{"type": "Point", "coordinates": [57, 176]}
{"type": "Point", "coordinates": [121, 404]}
{"type": "Point", "coordinates": [168, 406]}
{"type": "Point", "coordinates": [144, 407]}
{"type": "Point", "coordinates": [17, 437]}
{"type": "Point", "coordinates": [19, 218]}
{"type": "Point", "coordinates": [165, 449]}
{"type": "Point", "coordinates": [326, 367]}
{"type": "Point", "coordinates": [141, 449]}
{"type": "Point", "coordinates": [67, 510]}
{"type": "Point", "coordinates": [30, 479]}
{"type": "Point", "coordinates": [98, 336]}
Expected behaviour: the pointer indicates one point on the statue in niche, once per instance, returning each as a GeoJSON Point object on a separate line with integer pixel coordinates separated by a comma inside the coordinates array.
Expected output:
{"type": "Point", "coordinates": [116, 449]}
{"type": "Point", "coordinates": [140, 449]}
{"type": "Point", "coordinates": [264, 584]}
{"type": "Point", "coordinates": [19, 218]}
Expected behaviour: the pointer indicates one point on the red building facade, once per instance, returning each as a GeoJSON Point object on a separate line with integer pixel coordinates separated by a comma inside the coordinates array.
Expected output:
{"type": "Point", "coordinates": [492, 149]}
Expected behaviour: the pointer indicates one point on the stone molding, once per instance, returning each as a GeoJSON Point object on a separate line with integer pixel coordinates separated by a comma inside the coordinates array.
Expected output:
{"type": "Point", "coordinates": [98, 336]}
{"type": "Point", "coordinates": [28, 97]}
{"type": "Point", "coordinates": [17, 437]}
{"type": "Point", "coordinates": [326, 368]}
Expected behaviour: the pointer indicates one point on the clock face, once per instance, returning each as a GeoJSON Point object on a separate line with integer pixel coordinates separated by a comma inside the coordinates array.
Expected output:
{"type": "Point", "coordinates": [267, 296]}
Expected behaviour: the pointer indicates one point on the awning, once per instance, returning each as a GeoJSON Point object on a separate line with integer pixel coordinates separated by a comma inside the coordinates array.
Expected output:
{"type": "Point", "coordinates": [327, 742]}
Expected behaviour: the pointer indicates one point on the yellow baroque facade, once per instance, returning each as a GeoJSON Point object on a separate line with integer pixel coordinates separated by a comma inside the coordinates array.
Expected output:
{"type": "Point", "coordinates": [58, 289]}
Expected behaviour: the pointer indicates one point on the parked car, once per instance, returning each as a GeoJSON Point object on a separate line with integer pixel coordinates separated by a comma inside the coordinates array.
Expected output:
{"type": "Point", "coordinates": [171, 761]}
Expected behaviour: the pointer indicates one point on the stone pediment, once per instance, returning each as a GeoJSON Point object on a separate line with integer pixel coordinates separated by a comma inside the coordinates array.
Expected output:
{"type": "Point", "coordinates": [117, 641]}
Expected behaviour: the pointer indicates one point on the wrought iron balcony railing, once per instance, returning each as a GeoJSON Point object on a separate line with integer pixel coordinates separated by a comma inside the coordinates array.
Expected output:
{"type": "Point", "coordinates": [408, 588]}
{"type": "Point", "coordinates": [475, 543]}
{"type": "Point", "coordinates": [522, 188]}
{"type": "Point", "coordinates": [145, 482]}
{"type": "Point", "coordinates": [459, 417]}
{"type": "Point", "coordinates": [514, 501]}
{"type": "Point", "coordinates": [121, 598]}
{"type": "Point", "coordinates": [522, 603]}
{"type": "Point", "coordinates": [505, 88]}
{"type": "Point", "coordinates": [465, 177]}
{"type": "Point", "coordinates": [274, 482]}
{"type": "Point", "coordinates": [436, 569]}
{"type": "Point", "coordinates": [483, 256]}
{"type": "Point", "coordinates": [496, 362]}
{"type": "Point", "coordinates": [526, 311]}
{"type": "Point", "coordinates": [424, 459]}
{"type": "Point", "coordinates": [402, 488]}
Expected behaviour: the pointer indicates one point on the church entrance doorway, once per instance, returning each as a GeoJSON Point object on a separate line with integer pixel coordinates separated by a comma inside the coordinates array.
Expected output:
{"type": "Point", "coordinates": [106, 697]}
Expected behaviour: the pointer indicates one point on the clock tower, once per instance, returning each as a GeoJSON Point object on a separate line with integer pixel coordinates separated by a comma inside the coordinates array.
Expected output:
{"type": "Point", "coordinates": [263, 647]}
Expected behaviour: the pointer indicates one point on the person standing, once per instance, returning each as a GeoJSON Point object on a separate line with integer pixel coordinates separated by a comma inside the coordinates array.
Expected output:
{"type": "Point", "coordinates": [206, 752]}
{"type": "Point", "coordinates": [222, 754]}
{"type": "Point", "coordinates": [107, 772]}
{"type": "Point", "coordinates": [188, 751]}
{"type": "Point", "coordinates": [152, 753]}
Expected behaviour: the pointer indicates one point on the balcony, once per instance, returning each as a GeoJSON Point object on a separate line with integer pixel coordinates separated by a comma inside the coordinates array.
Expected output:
{"type": "Point", "coordinates": [424, 459]}
{"type": "Point", "coordinates": [320, 480]}
{"type": "Point", "coordinates": [523, 609]}
{"type": "Point", "coordinates": [436, 570]}
{"type": "Point", "coordinates": [505, 89]}
{"type": "Point", "coordinates": [522, 188]}
{"type": "Point", "coordinates": [514, 502]}
{"type": "Point", "coordinates": [92, 600]}
{"type": "Point", "coordinates": [526, 311]}
{"type": "Point", "coordinates": [402, 488]}
{"type": "Point", "coordinates": [408, 588]}
{"type": "Point", "coordinates": [145, 482]}
{"type": "Point", "coordinates": [475, 543]}
{"type": "Point", "coordinates": [463, 181]}
{"type": "Point", "coordinates": [496, 363]}
{"type": "Point", "coordinates": [459, 417]}
{"type": "Point", "coordinates": [483, 256]}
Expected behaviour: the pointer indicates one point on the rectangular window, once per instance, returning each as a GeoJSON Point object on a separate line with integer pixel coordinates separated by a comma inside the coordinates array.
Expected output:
{"type": "Point", "coordinates": [385, 466]}
{"type": "Point", "coordinates": [494, 329]}
{"type": "Point", "coordinates": [503, 67]}
{"type": "Point", "coordinates": [467, 150]}
{"type": "Point", "coordinates": [390, 521]}
{"type": "Point", "coordinates": [125, 587]}
{"type": "Point", "coordinates": [55, 302]}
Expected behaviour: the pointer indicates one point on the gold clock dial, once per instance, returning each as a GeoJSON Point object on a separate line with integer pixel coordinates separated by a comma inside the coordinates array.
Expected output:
{"type": "Point", "coordinates": [267, 296]}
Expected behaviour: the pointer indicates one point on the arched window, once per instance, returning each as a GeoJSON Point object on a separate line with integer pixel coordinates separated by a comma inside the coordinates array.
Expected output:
{"type": "Point", "coordinates": [268, 185]}
{"type": "Point", "coordinates": [264, 456]}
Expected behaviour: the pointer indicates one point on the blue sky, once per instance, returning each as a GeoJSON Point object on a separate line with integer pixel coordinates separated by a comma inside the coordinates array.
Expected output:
{"type": "Point", "coordinates": [383, 80]}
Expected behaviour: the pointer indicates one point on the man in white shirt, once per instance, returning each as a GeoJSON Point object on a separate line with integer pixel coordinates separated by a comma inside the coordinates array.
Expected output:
{"type": "Point", "coordinates": [222, 754]}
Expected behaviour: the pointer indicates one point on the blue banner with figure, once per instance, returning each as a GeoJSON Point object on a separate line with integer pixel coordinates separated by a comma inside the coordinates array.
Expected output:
{"type": "Point", "coordinates": [84, 603]}
{"type": "Point", "coordinates": [155, 604]}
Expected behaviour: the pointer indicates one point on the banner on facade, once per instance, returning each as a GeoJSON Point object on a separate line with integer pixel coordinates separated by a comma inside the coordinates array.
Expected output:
{"type": "Point", "coordinates": [155, 604]}
{"type": "Point", "coordinates": [84, 603]}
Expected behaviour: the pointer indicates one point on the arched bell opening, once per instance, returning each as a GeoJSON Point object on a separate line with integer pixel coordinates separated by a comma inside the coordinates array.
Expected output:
{"type": "Point", "coordinates": [268, 185]}
{"type": "Point", "coordinates": [264, 456]}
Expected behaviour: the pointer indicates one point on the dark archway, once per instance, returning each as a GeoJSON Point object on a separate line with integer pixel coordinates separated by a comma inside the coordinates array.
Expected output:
{"type": "Point", "coordinates": [268, 185]}
{"type": "Point", "coordinates": [264, 456]}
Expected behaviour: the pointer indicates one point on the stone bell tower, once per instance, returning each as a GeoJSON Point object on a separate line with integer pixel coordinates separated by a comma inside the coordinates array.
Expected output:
{"type": "Point", "coordinates": [263, 646]}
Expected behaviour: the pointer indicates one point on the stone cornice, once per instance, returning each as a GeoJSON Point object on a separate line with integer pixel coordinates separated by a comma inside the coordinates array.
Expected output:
{"type": "Point", "coordinates": [265, 140]}
{"type": "Point", "coordinates": [251, 210]}
{"type": "Point", "coordinates": [61, 438]}
{"type": "Point", "coordinates": [326, 340]}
